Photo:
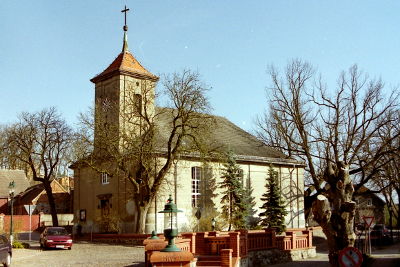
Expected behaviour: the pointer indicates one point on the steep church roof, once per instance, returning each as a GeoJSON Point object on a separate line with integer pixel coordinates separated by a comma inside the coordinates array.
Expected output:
{"type": "Point", "coordinates": [125, 64]}
{"type": "Point", "coordinates": [226, 136]}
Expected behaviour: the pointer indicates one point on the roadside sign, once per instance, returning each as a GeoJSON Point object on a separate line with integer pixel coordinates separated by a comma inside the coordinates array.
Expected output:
{"type": "Point", "coordinates": [30, 208]}
{"type": "Point", "coordinates": [368, 220]}
{"type": "Point", "coordinates": [350, 256]}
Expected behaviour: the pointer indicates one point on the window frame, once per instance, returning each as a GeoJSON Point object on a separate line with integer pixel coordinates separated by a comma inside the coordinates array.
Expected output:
{"type": "Point", "coordinates": [104, 178]}
{"type": "Point", "coordinates": [197, 174]}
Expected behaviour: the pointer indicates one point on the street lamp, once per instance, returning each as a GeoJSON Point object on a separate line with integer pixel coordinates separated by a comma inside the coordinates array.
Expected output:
{"type": "Point", "coordinates": [11, 187]}
{"type": "Point", "coordinates": [170, 225]}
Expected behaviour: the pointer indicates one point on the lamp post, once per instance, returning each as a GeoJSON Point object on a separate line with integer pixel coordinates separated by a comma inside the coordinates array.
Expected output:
{"type": "Point", "coordinates": [11, 187]}
{"type": "Point", "coordinates": [170, 225]}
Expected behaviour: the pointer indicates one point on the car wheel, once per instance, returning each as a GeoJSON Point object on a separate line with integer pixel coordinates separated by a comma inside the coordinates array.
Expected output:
{"type": "Point", "coordinates": [69, 248]}
{"type": "Point", "coordinates": [7, 263]}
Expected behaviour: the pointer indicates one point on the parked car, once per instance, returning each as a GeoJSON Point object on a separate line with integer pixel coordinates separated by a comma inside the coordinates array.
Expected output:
{"type": "Point", "coordinates": [5, 251]}
{"type": "Point", "coordinates": [380, 234]}
{"type": "Point", "coordinates": [55, 237]}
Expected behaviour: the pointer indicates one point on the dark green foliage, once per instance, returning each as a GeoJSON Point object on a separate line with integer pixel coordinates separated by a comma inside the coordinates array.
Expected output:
{"type": "Point", "coordinates": [274, 212]}
{"type": "Point", "coordinates": [234, 206]}
{"type": "Point", "coordinates": [252, 220]}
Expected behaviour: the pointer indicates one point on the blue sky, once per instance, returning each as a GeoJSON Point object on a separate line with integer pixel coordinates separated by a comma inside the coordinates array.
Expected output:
{"type": "Point", "coordinates": [50, 49]}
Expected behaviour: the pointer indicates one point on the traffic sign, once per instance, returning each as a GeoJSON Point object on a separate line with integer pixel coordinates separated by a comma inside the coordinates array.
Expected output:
{"type": "Point", "coordinates": [368, 220]}
{"type": "Point", "coordinates": [350, 256]}
{"type": "Point", "coordinates": [30, 208]}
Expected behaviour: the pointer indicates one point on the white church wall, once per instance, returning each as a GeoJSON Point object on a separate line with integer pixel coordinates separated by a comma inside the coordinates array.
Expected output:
{"type": "Point", "coordinates": [179, 184]}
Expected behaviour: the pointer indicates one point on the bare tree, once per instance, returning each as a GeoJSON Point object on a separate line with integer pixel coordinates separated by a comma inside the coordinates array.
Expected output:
{"type": "Point", "coordinates": [336, 134]}
{"type": "Point", "coordinates": [143, 143]}
{"type": "Point", "coordinates": [39, 140]}
{"type": "Point", "coordinates": [387, 182]}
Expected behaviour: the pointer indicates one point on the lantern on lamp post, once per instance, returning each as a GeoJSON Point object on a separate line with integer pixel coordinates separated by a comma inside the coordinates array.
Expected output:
{"type": "Point", "coordinates": [11, 187]}
{"type": "Point", "coordinates": [170, 225]}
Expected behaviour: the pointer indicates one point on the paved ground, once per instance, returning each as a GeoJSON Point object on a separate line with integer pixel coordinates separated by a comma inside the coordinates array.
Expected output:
{"type": "Point", "coordinates": [81, 254]}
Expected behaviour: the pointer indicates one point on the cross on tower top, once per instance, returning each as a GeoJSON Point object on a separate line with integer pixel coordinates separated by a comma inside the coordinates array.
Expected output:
{"type": "Point", "coordinates": [125, 10]}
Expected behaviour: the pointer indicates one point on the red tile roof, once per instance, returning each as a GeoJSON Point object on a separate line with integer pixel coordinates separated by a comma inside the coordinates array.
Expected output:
{"type": "Point", "coordinates": [126, 64]}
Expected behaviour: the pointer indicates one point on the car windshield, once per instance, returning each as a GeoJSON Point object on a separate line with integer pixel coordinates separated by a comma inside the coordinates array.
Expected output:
{"type": "Point", "coordinates": [60, 231]}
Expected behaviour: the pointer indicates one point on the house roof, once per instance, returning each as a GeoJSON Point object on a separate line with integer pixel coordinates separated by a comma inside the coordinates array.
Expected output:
{"type": "Point", "coordinates": [34, 191]}
{"type": "Point", "coordinates": [126, 64]}
{"type": "Point", "coordinates": [365, 192]}
{"type": "Point", "coordinates": [30, 194]}
{"type": "Point", "coordinates": [19, 178]}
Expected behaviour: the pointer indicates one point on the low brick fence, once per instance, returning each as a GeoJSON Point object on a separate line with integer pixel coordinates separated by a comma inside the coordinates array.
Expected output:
{"type": "Point", "coordinates": [232, 247]}
{"type": "Point", "coordinates": [38, 222]}
{"type": "Point", "coordinates": [20, 223]}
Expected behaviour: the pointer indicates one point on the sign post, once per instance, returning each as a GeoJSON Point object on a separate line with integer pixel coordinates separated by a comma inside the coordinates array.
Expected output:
{"type": "Point", "coordinates": [369, 222]}
{"type": "Point", "coordinates": [29, 209]}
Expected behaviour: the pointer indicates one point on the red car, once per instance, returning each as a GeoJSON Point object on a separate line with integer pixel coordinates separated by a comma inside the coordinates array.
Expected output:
{"type": "Point", "coordinates": [55, 237]}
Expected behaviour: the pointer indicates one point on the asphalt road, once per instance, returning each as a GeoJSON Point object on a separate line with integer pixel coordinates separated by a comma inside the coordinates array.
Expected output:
{"type": "Point", "coordinates": [81, 254]}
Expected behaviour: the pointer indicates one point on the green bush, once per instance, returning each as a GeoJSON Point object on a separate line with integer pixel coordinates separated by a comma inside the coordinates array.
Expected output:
{"type": "Point", "coordinates": [18, 244]}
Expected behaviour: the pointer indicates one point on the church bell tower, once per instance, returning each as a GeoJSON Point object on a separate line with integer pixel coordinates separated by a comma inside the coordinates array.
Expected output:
{"type": "Point", "coordinates": [124, 94]}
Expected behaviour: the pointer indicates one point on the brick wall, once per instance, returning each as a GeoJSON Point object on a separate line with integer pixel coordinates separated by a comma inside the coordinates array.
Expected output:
{"type": "Point", "coordinates": [20, 223]}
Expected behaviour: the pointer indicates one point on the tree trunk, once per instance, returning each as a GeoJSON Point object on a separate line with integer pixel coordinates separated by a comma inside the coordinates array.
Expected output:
{"type": "Point", "coordinates": [230, 211]}
{"type": "Point", "coordinates": [52, 203]}
{"type": "Point", "coordinates": [141, 215]}
{"type": "Point", "coordinates": [335, 211]}
{"type": "Point", "coordinates": [398, 209]}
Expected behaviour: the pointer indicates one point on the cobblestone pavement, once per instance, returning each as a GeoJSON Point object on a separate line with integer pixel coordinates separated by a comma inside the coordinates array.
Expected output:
{"type": "Point", "coordinates": [81, 254]}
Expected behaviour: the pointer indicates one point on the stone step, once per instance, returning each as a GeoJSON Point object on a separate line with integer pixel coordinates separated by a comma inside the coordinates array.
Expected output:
{"type": "Point", "coordinates": [208, 263]}
{"type": "Point", "coordinates": [208, 258]}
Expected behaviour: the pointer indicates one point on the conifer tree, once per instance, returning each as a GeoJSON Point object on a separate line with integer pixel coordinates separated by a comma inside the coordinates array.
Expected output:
{"type": "Point", "coordinates": [233, 201]}
{"type": "Point", "coordinates": [252, 219]}
{"type": "Point", "coordinates": [274, 212]}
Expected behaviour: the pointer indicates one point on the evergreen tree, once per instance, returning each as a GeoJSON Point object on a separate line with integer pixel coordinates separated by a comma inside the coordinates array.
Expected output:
{"type": "Point", "coordinates": [274, 212]}
{"type": "Point", "coordinates": [252, 220]}
{"type": "Point", "coordinates": [233, 201]}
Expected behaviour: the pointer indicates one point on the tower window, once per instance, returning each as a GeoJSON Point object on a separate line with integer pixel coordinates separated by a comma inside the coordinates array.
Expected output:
{"type": "Point", "coordinates": [138, 103]}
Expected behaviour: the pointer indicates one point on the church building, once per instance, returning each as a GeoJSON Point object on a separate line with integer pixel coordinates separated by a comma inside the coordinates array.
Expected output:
{"type": "Point", "coordinates": [97, 195]}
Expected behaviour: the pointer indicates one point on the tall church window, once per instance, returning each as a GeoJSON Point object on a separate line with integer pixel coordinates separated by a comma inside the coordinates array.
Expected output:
{"type": "Point", "coordinates": [196, 180]}
{"type": "Point", "coordinates": [104, 178]}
